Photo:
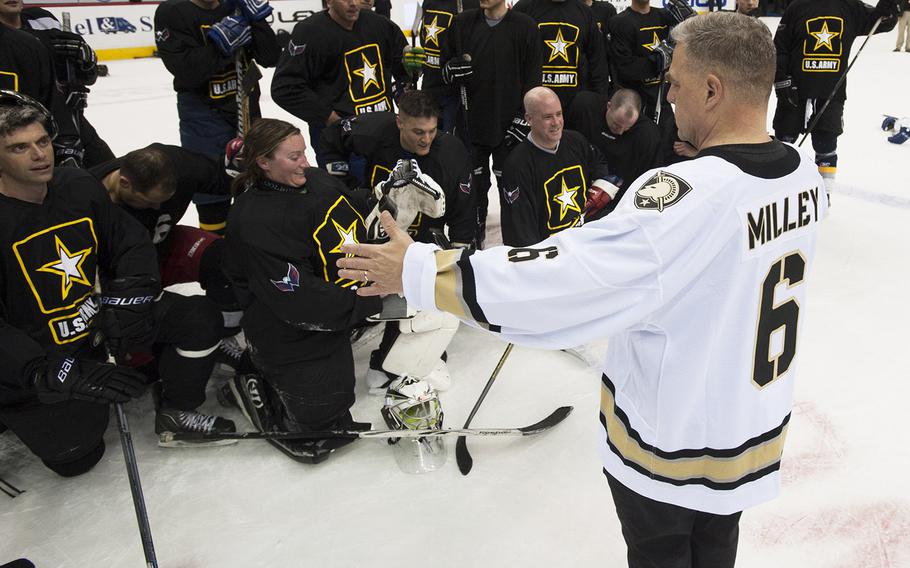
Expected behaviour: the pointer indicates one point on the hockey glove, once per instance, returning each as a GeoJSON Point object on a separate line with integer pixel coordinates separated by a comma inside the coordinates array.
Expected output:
{"type": "Point", "coordinates": [71, 48]}
{"type": "Point", "coordinates": [126, 314]}
{"type": "Point", "coordinates": [68, 155]}
{"type": "Point", "coordinates": [457, 70]}
{"type": "Point", "coordinates": [406, 193]}
{"type": "Point", "coordinates": [414, 60]}
{"type": "Point", "coordinates": [888, 125]}
{"type": "Point", "coordinates": [662, 55]}
{"type": "Point", "coordinates": [233, 158]}
{"type": "Point", "coordinates": [517, 132]}
{"type": "Point", "coordinates": [77, 98]}
{"type": "Point", "coordinates": [888, 11]}
{"type": "Point", "coordinates": [254, 10]}
{"type": "Point", "coordinates": [230, 34]}
{"type": "Point", "coordinates": [56, 379]}
{"type": "Point", "coordinates": [787, 91]}
{"type": "Point", "coordinates": [900, 136]}
{"type": "Point", "coordinates": [680, 10]}
{"type": "Point", "coordinates": [600, 194]}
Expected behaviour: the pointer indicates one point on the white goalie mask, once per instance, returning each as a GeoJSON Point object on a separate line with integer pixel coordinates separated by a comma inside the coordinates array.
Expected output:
{"type": "Point", "coordinates": [412, 404]}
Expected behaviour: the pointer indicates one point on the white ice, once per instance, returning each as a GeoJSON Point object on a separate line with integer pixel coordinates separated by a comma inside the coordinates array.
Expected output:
{"type": "Point", "coordinates": [536, 502]}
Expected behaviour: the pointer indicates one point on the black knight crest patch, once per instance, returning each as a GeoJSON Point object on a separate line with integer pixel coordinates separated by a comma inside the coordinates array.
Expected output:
{"type": "Point", "coordinates": [661, 191]}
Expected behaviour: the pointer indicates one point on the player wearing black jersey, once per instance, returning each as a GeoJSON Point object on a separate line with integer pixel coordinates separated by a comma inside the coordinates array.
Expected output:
{"type": "Point", "coordinates": [628, 140]}
{"type": "Point", "coordinates": [635, 35]}
{"type": "Point", "coordinates": [546, 178]}
{"type": "Point", "coordinates": [411, 141]}
{"type": "Point", "coordinates": [58, 229]}
{"type": "Point", "coordinates": [77, 144]}
{"type": "Point", "coordinates": [813, 41]}
{"type": "Point", "coordinates": [433, 19]}
{"type": "Point", "coordinates": [283, 238]}
{"type": "Point", "coordinates": [340, 62]}
{"type": "Point", "coordinates": [498, 62]}
{"type": "Point", "coordinates": [198, 41]}
{"type": "Point", "coordinates": [603, 12]}
{"type": "Point", "coordinates": [155, 185]}
{"type": "Point", "coordinates": [573, 49]}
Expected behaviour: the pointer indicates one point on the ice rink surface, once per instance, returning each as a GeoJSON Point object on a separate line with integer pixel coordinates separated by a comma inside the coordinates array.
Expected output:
{"type": "Point", "coordinates": [532, 502]}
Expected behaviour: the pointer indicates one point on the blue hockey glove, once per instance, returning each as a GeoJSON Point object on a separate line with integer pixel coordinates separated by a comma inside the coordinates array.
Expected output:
{"type": "Point", "coordinates": [230, 34]}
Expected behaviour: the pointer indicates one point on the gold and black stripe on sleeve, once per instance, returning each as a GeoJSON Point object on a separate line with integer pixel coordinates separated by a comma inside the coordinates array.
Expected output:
{"type": "Point", "coordinates": [723, 469]}
{"type": "Point", "coordinates": [456, 291]}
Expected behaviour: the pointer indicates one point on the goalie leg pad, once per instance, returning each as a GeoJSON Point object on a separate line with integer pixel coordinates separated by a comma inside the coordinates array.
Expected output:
{"type": "Point", "coordinates": [416, 352]}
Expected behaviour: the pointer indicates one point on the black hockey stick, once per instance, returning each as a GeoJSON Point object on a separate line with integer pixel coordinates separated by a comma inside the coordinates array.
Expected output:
{"type": "Point", "coordinates": [462, 455]}
{"type": "Point", "coordinates": [132, 470]}
{"type": "Point", "coordinates": [550, 421]}
{"type": "Point", "coordinates": [837, 85]}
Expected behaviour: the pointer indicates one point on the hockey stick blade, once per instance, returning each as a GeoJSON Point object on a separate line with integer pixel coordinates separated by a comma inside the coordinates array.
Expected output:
{"type": "Point", "coordinates": [550, 421]}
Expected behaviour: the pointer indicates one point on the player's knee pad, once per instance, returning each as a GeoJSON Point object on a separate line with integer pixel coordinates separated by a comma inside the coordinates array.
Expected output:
{"type": "Point", "coordinates": [421, 343]}
{"type": "Point", "coordinates": [78, 466]}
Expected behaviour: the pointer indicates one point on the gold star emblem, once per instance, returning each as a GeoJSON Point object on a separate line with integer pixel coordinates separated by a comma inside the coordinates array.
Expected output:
{"type": "Point", "coordinates": [655, 41]}
{"type": "Point", "coordinates": [824, 37]}
{"type": "Point", "coordinates": [347, 235]}
{"type": "Point", "coordinates": [368, 73]}
{"type": "Point", "coordinates": [559, 47]}
{"type": "Point", "coordinates": [431, 32]}
{"type": "Point", "coordinates": [566, 199]}
{"type": "Point", "coordinates": [68, 267]}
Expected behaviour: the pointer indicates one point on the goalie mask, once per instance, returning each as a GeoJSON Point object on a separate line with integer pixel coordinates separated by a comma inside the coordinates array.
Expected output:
{"type": "Point", "coordinates": [412, 404]}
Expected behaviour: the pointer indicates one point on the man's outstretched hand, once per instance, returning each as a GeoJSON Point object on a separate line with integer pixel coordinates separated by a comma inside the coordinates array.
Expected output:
{"type": "Point", "coordinates": [380, 265]}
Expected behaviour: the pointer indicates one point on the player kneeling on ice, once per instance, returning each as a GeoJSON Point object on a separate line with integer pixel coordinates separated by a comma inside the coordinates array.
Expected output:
{"type": "Point", "coordinates": [701, 297]}
{"type": "Point", "coordinates": [284, 235]}
{"type": "Point", "coordinates": [423, 177]}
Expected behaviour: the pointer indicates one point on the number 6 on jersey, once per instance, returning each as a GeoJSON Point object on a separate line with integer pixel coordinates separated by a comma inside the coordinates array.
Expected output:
{"type": "Point", "coordinates": [774, 318]}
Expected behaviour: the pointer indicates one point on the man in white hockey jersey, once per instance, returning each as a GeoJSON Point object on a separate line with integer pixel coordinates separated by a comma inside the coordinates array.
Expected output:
{"type": "Point", "coordinates": [699, 279]}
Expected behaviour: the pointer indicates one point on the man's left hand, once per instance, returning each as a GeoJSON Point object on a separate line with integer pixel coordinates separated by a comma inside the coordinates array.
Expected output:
{"type": "Point", "coordinates": [381, 265]}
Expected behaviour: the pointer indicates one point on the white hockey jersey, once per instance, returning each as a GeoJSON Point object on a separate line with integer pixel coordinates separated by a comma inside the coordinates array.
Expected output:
{"type": "Point", "coordinates": [699, 280]}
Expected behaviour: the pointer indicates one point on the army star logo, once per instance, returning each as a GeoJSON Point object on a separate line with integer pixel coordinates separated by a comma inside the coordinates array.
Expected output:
{"type": "Point", "coordinates": [566, 199]}
{"type": "Point", "coordinates": [654, 43]}
{"type": "Point", "coordinates": [367, 72]}
{"type": "Point", "coordinates": [432, 31]}
{"type": "Point", "coordinates": [68, 267]}
{"type": "Point", "coordinates": [348, 236]}
{"type": "Point", "coordinates": [661, 191]}
{"type": "Point", "coordinates": [559, 46]}
{"type": "Point", "coordinates": [823, 37]}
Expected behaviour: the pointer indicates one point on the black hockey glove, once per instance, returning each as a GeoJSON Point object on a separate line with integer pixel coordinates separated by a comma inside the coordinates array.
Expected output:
{"type": "Point", "coordinates": [662, 55]}
{"type": "Point", "coordinates": [517, 132]}
{"type": "Point", "coordinates": [787, 91]}
{"type": "Point", "coordinates": [56, 379]}
{"type": "Point", "coordinates": [888, 11]}
{"type": "Point", "coordinates": [77, 98]}
{"type": "Point", "coordinates": [71, 48]}
{"type": "Point", "coordinates": [126, 314]}
{"type": "Point", "coordinates": [680, 10]}
{"type": "Point", "coordinates": [230, 34]}
{"type": "Point", "coordinates": [457, 70]}
{"type": "Point", "coordinates": [68, 155]}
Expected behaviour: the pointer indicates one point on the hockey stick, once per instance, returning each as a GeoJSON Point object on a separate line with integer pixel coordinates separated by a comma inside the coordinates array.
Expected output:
{"type": "Point", "coordinates": [550, 421]}
{"type": "Point", "coordinates": [132, 470]}
{"type": "Point", "coordinates": [837, 85]}
{"type": "Point", "coordinates": [462, 89]}
{"type": "Point", "coordinates": [462, 455]}
{"type": "Point", "coordinates": [11, 490]}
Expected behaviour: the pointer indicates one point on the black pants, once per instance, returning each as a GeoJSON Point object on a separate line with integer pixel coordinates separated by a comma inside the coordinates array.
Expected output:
{"type": "Point", "coordinates": [660, 535]}
{"type": "Point", "coordinates": [480, 156]}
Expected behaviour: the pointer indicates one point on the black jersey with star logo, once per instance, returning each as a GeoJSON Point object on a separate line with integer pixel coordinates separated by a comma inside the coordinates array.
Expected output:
{"type": "Point", "coordinates": [436, 18]}
{"type": "Point", "coordinates": [376, 137]}
{"type": "Point", "coordinates": [573, 50]}
{"type": "Point", "coordinates": [543, 192]}
{"type": "Point", "coordinates": [633, 37]}
{"type": "Point", "coordinates": [196, 63]}
{"type": "Point", "coordinates": [52, 252]}
{"type": "Point", "coordinates": [813, 42]}
{"type": "Point", "coordinates": [327, 68]}
{"type": "Point", "coordinates": [281, 247]}
{"type": "Point", "coordinates": [194, 172]}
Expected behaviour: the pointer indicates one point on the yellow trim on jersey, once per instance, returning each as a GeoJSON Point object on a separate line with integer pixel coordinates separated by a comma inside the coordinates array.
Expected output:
{"type": "Point", "coordinates": [56, 336]}
{"type": "Point", "coordinates": [448, 283]}
{"type": "Point", "coordinates": [25, 271]}
{"type": "Point", "coordinates": [212, 227]}
{"type": "Point", "coordinates": [563, 208]}
{"type": "Point", "coordinates": [325, 221]}
{"type": "Point", "coordinates": [15, 77]}
{"type": "Point", "coordinates": [564, 43]}
{"type": "Point", "coordinates": [717, 470]}
{"type": "Point", "coordinates": [350, 73]}
{"type": "Point", "coordinates": [830, 36]}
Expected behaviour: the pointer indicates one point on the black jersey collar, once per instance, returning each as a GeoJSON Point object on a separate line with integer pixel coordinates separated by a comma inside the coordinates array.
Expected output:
{"type": "Point", "coordinates": [768, 160]}
{"type": "Point", "coordinates": [270, 185]}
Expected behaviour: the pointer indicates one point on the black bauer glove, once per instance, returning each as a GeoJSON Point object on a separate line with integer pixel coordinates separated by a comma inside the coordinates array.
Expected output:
{"type": "Point", "coordinates": [72, 48]}
{"type": "Point", "coordinates": [517, 132]}
{"type": "Point", "coordinates": [680, 10]}
{"type": "Point", "coordinates": [888, 11]}
{"type": "Point", "coordinates": [787, 91]}
{"type": "Point", "coordinates": [662, 55]}
{"type": "Point", "coordinates": [56, 379]}
{"type": "Point", "coordinates": [126, 314]}
{"type": "Point", "coordinates": [457, 70]}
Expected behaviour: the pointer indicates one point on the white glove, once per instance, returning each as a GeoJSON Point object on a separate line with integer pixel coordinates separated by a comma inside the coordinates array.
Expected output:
{"type": "Point", "coordinates": [405, 193]}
